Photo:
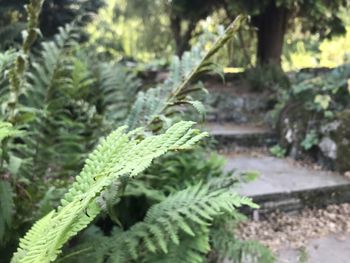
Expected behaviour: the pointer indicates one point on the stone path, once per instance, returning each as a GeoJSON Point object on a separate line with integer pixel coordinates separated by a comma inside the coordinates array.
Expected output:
{"type": "Point", "coordinates": [285, 185]}
{"type": "Point", "coordinates": [228, 129]}
{"type": "Point", "coordinates": [330, 249]}
{"type": "Point", "coordinates": [277, 176]}
{"type": "Point", "coordinates": [230, 135]}
{"type": "Point", "coordinates": [281, 175]}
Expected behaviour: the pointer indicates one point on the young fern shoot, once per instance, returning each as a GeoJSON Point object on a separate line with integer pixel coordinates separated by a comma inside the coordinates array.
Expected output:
{"type": "Point", "coordinates": [153, 107]}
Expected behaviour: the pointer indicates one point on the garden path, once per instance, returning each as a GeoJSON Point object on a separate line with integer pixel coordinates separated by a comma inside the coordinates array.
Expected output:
{"type": "Point", "coordinates": [237, 123]}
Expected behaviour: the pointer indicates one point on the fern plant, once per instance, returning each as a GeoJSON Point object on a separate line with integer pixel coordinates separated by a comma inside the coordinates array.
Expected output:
{"type": "Point", "coordinates": [119, 155]}
{"type": "Point", "coordinates": [64, 108]}
{"type": "Point", "coordinates": [69, 100]}
{"type": "Point", "coordinates": [16, 74]}
{"type": "Point", "coordinates": [55, 110]}
{"type": "Point", "coordinates": [226, 245]}
{"type": "Point", "coordinates": [184, 215]}
{"type": "Point", "coordinates": [175, 230]}
{"type": "Point", "coordinates": [16, 64]}
{"type": "Point", "coordinates": [115, 92]}
{"type": "Point", "coordinates": [7, 206]}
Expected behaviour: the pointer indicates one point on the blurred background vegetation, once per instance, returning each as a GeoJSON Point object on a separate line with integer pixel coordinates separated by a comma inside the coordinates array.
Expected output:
{"type": "Point", "coordinates": [305, 33]}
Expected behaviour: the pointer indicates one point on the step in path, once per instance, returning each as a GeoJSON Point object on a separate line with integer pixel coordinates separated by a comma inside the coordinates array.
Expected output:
{"type": "Point", "coordinates": [330, 249]}
{"type": "Point", "coordinates": [287, 185]}
{"type": "Point", "coordinates": [284, 185]}
{"type": "Point", "coordinates": [230, 135]}
{"type": "Point", "coordinates": [281, 175]}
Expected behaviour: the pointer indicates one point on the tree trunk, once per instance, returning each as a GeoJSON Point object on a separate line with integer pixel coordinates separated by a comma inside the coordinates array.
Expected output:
{"type": "Point", "coordinates": [182, 39]}
{"type": "Point", "coordinates": [271, 24]}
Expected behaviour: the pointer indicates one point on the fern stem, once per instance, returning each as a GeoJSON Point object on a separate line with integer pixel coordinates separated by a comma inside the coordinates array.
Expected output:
{"type": "Point", "coordinates": [233, 28]}
{"type": "Point", "coordinates": [17, 73]}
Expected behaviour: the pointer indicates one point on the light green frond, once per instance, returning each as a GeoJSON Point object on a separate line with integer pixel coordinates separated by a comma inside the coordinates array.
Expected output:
{"type": "Point", "coordinates": [120, 154]}
{"type": "Point", "coordinates": [7, 130]}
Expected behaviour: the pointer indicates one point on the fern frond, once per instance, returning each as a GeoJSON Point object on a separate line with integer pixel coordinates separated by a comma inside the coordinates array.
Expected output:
{"type": "Point", "coordinates": [115, 91]}
{"type": "Point", "coordinates": [7, 130]}
{"type": "Point", "coordinates": [17, 73]}
{"type": "Point", "coordinates": [59, 120]}
{"type": "Point", "coordinates": [7, 208]}
{"type": "Point", "coordinates": [49, 73]}
{"type": "Point", "coordinates": [6, 59]}
{"type": "Point", "coordinates": [33, 10]}
{"type": "Point", "coordinates": [7, 205]}
{"type": "Point", "coordinates": [192, 249]}
{"type": "Point", "coordinates": [118, 155]}
{"type": "Point", "coordinates": [227, 246]}
{"type": "Point", "coordinates": [93, 247]}
{"type": "Point", "coordinates": [180, 217]}
{"type": "Point", "coordinates": [156, 102]}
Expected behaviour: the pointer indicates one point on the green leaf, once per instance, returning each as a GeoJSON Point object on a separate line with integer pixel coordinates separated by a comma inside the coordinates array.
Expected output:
{"type": "Point", "coordinates": [323, 101]}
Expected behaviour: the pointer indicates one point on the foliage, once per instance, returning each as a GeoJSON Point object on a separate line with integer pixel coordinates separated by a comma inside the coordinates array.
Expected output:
{"type": "Point", "coordinates": [181, 171]}
{"type": "Point", "coordinates": [273, 19]}
{"type": "Point", "coordinates": [11, 22]}
{"type": "Point", "coordinates": [310, 140]}
{"type": "Point", "coordinates": [320, 20]}
{"type": "Point", "coordinates": [65, 100]}
{"type": "Point", "coordinates": [118, 156]}
{"type": "Point", "coordinates": [148, 30]}
{"type": "Point", "coordinates": [313, 102]}
{"type": "Point", "coordinates": [303, 50]}
{"type": "Point", "coordinates": [176, 90]}
{"type": "Point", "coordinates": [16, 65]}
{"type": "Point", "coordinates": [12, 14]}
{"type": "Point", "coordinates": [6, 193]}
{"type": "Point", "coordinates": [62, 102]}
{"type": "Point", "coordinates": [228, 247]}
{"type": "Point", "coordinates": [303, 256]}
{"type": "Point", "coordinates": [278, 151]}
{"type": "Point", "coordinates": [136, 30]}
{"type": "Point", "coordinates": [325, 92]}
{"type": "Point", "coordinates": [184, 17]}
{"type": "Point", "coordinates": [318, 93]}
{"type": "Point", "coordinates": [267, 78]}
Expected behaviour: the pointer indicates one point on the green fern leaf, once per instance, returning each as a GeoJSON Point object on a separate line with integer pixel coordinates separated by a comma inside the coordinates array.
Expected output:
{"type": "Point", "coordinates": [7, 130]}
{"type": "Point", "coordinates": [181, 217]}
{"type": "Point", "coordinates": [118, 155]}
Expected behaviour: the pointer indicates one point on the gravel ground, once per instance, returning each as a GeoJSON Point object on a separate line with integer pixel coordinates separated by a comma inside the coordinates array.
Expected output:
{"type": "Point", "coordinates": [280, 230]}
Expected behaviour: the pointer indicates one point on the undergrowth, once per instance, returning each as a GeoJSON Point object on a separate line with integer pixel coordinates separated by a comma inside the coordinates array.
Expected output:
{"type": "Point", "coordinates": [145, 193]}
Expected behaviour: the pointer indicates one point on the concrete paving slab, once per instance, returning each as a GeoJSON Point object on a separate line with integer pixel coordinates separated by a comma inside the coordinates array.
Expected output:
{"type": "Point", "coordinates": [235, 129]}
{"type": "Point", "coordinates": [330, 249]}
{"type": "Point", "coordinates": [229, 135]}
{"type": "Point", "coordinates": [280, 175]}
